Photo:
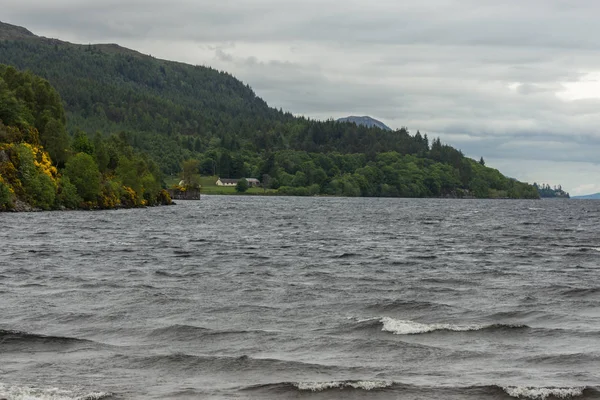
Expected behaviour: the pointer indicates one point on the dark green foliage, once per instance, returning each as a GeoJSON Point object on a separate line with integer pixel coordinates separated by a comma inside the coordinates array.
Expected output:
{"type": "Point", "coordinates": [28, 100]}
{"type": "Point", "coordinates": [67, 194]}
{"type": "Point", "coordinates": [546, 191]}
{"type": "Point", "coordinates": [83, 173]}
{"type": "Point", "coordinates": [101, 172]}
{"type": "Point", "coordinates": [6, 197]}
{"type": "Point", "coordinates": [81, 143]}
{"type": "Point", "coordinates": [191, 169]}
{"type": "Point", "coordinates": [391, 174]}
{"type": "Point", "coordinates": [56, 141]}
{"type": "Point", "coordinates": [38, 187]}
{"type": "Point", "coordinates": [242, 186]}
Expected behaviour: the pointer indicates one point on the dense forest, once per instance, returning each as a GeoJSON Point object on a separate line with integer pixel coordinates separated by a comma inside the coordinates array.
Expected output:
{"type": "Point", "coordinates": [42, 167]}
{"type": "Point", "coordinates": [117, 98]}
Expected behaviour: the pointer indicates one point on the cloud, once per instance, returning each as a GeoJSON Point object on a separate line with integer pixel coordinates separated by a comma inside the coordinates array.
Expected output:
{"type": "Point", "coordinates": [503, 80]}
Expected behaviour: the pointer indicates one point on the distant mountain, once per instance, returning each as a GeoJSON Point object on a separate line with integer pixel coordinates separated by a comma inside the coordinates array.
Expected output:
{"type": "Point", "coordinates": [595, 196]}
{"type": "Point", "coordinates": [366, 121]}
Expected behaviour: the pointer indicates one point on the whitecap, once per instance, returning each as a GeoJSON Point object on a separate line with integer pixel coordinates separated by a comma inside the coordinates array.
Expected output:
{"type": "Point", "coordinates": [542, 393]}
{"type": "Point", "coordinates": [406, 327]}
{"type": "Point", "coordinates": [364, 385]}
{"type": "Point", "coordinates": [32, 393]}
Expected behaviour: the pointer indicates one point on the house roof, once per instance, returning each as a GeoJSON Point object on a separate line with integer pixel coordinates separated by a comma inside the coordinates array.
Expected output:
{"type": "Point", "coordinates": [249, 180]}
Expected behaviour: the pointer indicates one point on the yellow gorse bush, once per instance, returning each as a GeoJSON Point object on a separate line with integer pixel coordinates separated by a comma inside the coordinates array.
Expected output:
{"type": "Point", "coordinates": [42, 161]}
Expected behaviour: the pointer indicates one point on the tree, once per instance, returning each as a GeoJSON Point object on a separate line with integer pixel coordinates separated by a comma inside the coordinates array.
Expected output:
{"type": "Point", "coordinates": [482, 161]}
{"type": "Point", "coordinates": [190, 173]}
{"type": "Point", "coordinates": [83, 172]}
{"type": "Point", "coordinates": [67, 194]}
{"type": "Point", "coordinates": [40, 189]}
{"type": "Point", "coordinates": [81, 143]}
{"type": "Point", "coordinates": [266, 181]}
{"type": "Point", "coordinates": [56, 141]}
{"type": "Point", "coordinates": [101, 152]}
{"type": "Point", "coordinates": [5, 197]}
{"type": "Point", "coordinates": [241, 186]}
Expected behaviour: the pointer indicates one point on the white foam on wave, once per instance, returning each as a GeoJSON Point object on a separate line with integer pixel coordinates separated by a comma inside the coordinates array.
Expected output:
{"type": "Point", "coordinates": [364, 385]}
{"type": "Point", "coordinates": [31, 393]}
{"type": "Point", "coordinates": [542, 393]}
{"type": "Point", "coordinates": [406, 327]}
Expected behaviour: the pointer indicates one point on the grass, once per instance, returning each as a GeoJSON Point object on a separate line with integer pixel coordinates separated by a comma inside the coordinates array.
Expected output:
{"type": "Point", "coordinates": [231, 191]}
{"type": "Point", "coordinates": [208, 185]}
{"type": "Point", "coordinates": [205, 181]}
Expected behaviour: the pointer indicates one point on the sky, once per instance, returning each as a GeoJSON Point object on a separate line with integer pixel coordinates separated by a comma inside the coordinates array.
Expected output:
{"type": "Point", "coordinates": [515, 82]}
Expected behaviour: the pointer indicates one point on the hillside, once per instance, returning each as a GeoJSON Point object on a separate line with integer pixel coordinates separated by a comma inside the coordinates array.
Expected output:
{"type": "Point", "coordinates": [9, 32]}
{"type": "Point", "coordinates": [110, 88]}
{"type": "Point", "coordinates": [176, 112]}
{"type": "Point", "coordinates": [41, 168]}
{"type": "Point", "coordinates": [365, 121]}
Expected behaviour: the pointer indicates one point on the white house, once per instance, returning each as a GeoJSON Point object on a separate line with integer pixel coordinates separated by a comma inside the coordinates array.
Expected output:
{"type": "Point", "coordinates": [227, 182]}
{"type": "Point", "coordinates": [252, 182]}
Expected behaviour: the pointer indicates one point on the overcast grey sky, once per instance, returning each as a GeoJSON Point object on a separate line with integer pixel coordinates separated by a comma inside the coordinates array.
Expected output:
{"type": "Point", "coordinates": [517, 82]}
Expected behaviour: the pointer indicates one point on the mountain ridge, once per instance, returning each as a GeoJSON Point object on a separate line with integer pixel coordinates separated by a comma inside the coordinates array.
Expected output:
{"type": "Point", "coordinates": [593, 196]}
{"type": "Point", "coordinates": [365, 120]}
{"type": "Point", "coordinates": [9, 31]}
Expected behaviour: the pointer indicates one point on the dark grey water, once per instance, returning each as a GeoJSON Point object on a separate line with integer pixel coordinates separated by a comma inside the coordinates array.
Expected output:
{"type": "Point", "coordinates": [316, 298]}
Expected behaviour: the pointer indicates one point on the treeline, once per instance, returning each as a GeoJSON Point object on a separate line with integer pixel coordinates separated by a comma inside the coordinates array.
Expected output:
{"type": "Point", "coordinates": [176, 112]}
{"type": "Point", "coordinates": [41, 166]}
{"type": "Point", "coordinates": [546, 191]}
{"type": "Point", "coordinates": [388, 174]}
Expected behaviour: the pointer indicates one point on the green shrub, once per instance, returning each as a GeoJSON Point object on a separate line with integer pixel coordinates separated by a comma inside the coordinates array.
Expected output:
{"type": "Point", "coordinates": [83, 172]}
{"type": "Point", "coordinates": [67, 194]}
{"type": "Point", "coordinates": [6, 197]}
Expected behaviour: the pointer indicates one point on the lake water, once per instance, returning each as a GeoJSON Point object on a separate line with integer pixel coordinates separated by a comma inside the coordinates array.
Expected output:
{"type": "Point", "coordinates": [311, 298]}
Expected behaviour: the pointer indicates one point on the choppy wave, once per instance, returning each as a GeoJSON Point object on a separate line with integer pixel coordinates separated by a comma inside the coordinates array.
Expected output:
{"type": "Point", "coordinates": [361, 385]}
{"type": "Point", "coordinates": [563, 359]}
{"type": "Point", "coordinates": [542, 393]}
{"type": "Point", "coordinates": [580, 292]}
{"type": "Point", "coordinates": [394, 305]}
{"type": "Point", "coordinates": [188, 332]}
{"type": "Point", "coordinates": [406, 327]}
{"type": "Point", "coordinates": [19, 337]}
{"type": "Point", "coordinates": [493, 391]}
{"type": "Point", "coordinates": [32, 393]}
{"type": "Point", "coordinates": [366, 385]}
{"type": "Point", "coordinates": [190, 362]}
{"type": "Point", "coordinates": [346, 255]}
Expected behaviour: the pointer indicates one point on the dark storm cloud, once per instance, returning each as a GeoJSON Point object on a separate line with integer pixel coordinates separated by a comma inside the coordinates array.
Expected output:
{"type": "Point", "coordinates": [509, 80]}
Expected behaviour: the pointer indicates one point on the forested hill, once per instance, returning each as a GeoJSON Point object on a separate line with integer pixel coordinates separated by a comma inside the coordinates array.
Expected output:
{"type": "Point", "coordinates": [176, 112]}
{"type": "Point", "coordinates": [110, 88]}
